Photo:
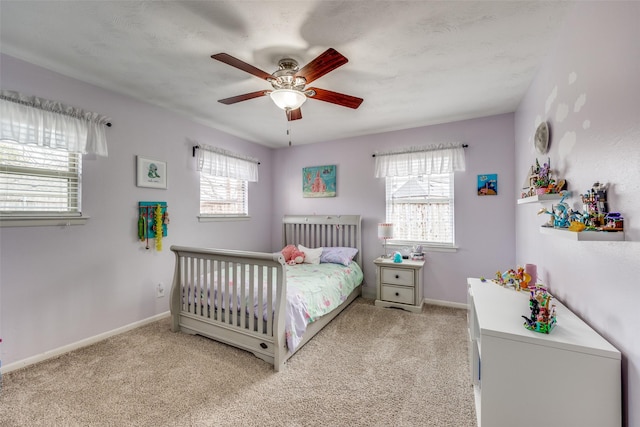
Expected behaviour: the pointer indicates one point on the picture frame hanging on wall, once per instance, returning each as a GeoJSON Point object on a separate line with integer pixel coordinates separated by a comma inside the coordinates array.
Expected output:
{"type": "Point", "coordinates": [319, 181]}
{"type": "Point", "coordinates": [488, 184]}
{"type": "Point", "coordinates": [151, 173]}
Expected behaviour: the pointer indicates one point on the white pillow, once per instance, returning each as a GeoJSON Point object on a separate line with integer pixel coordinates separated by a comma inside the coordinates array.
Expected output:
{"type": "Point", "coordinates": [311, 256]}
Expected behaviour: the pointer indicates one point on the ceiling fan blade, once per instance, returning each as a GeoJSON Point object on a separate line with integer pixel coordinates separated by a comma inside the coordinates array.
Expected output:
{"type": "Point", "coordinates": [246, 96]}
{"type": "Point", "coordinates": [294, 114]}
{"type": "Point", "coordinates": [324, 63]}
{"type": "Point", "coordinates": [336, 98]}
{"type": "Point", "coordinates": [241, 65]}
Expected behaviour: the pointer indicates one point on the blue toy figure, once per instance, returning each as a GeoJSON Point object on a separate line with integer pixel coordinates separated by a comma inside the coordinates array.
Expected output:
{"type": "Point", "coordinates": [397, 257]}
{"type": "Point", "coordinates": [561, 213]}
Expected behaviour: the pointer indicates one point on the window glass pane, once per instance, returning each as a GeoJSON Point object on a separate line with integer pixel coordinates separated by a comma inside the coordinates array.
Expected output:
{"type": "Point", "coordinates": [222, 196]}
{"type": "Point", "coordinates": [37, 179]}
{"type": "Point", "coordinates": [421, 208]}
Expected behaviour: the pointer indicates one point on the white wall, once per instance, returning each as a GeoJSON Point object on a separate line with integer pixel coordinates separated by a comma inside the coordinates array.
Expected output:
{"type": "Point", "coordinates": [589, 91]}
{"type": "Point", "coordinates": [60, 285]}
{"type": "Point", "coordinates": [484, 224]}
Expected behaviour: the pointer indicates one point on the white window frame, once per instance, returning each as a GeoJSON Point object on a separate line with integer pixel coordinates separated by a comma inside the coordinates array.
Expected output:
{"type": "Point", "coordinates": [404, 230]}
{"type": "Point", "coordinates": [421, 162]}
{"type": "Point", "coordinates": [14, 160]}
{"type": "Point", "coordinates": [231, 171]}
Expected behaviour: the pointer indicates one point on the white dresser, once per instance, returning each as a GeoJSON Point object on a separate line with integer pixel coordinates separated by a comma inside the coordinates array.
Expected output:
{"type": "Point", "coordinates": [399, 284]}
{"type": "Point", "coordinates": [570, 377]}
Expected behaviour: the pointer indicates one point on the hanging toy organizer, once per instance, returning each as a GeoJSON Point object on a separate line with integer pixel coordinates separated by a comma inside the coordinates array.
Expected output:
{"type": "Point", "coordinates": [152, 216]}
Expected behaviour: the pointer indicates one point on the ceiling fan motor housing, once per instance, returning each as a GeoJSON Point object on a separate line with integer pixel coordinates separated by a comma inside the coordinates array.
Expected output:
{"type": "Point", "coordinates": [285, 76]}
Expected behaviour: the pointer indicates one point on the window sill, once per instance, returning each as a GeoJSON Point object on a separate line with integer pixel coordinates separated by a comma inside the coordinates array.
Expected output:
{"type": "Point", "coordinates": [42, 221]}
{"type": "Point", "coordinates": [202, 218]}
{"type": "Point", "coordinates": [426, 247]}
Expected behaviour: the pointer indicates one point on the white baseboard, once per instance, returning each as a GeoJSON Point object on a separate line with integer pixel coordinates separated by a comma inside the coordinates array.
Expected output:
{"type": "Point", "coordinates": [444, 303]}
{"type": "Point", "coordinates": [79, 344]}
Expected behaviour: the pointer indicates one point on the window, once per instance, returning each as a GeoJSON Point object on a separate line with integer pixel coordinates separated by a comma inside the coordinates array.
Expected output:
{"type": "Point", "coordinates": [221, 196]}
{"type": "Point", "coordinates": [224, 182]}
{"type": "Point", "coordinates": [41, 147]}
{"type": "Point", "coordinates": [39, 180]}
{"type": "Point", "coordinates": [419, 192]}
{"type": "Point", "coordinates": [421, 208]}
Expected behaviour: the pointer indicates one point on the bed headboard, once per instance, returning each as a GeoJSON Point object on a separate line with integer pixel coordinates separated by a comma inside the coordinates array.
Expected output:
{"type": "Point", "coordinates": [314, 231]}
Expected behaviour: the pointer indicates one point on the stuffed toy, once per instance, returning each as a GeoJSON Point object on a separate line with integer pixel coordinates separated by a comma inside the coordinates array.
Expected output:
{"type": "Point", "coordinates": [292, 255]}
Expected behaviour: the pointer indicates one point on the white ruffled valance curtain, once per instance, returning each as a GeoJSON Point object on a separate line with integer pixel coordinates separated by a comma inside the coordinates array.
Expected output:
{"type": "Point", "coordinates": [218, 162]}
{"type": "Point", "coordinates": [32, 120]}
{"type": "Point", "coordinates": [417, 161]}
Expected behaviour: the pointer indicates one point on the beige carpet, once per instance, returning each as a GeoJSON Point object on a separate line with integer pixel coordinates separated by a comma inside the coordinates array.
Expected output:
{"type": "Point", "coordinates": [370, 366]}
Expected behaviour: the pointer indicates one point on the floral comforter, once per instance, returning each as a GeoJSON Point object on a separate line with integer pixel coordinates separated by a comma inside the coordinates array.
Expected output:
{"type": "Point", "coordinates": [313, 290]}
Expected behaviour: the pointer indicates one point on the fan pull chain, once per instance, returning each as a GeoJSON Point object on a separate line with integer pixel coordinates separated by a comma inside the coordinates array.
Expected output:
{"type": "Point", "coordinates": [289, 128]}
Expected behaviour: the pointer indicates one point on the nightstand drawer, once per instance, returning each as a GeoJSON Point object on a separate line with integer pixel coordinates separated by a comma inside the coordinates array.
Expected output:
{"type": "Point", "coordinates": [399, 294]}
{"type": "Point", "coordinates": [397, 276]}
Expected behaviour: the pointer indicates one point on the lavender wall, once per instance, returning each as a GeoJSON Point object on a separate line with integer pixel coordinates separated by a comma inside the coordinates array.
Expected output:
{"type": "Point", "coordinates": [61, 285]}
{"type": "Point", "coordinates": [589, 91]}
{"type": "Point", "coordinates": [484, 224]}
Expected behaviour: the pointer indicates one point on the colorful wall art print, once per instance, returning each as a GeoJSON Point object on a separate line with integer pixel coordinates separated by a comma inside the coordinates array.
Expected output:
{"type": "Point", "coordinates": [488, 185]}
{"type": "Point", "coordinates": [319, 181]}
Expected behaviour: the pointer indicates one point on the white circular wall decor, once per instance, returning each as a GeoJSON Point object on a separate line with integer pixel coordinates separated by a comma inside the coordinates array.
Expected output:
{"type": "Point", "coordinates": [541, 138]}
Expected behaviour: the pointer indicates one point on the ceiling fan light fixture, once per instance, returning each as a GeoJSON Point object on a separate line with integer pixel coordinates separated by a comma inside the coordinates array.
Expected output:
{"type": "Point", "coordinates": [288, 99]}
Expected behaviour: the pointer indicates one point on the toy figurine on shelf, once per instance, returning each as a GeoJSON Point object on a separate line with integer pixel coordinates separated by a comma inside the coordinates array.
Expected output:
{"type": "Point", "coordinates": [596, 215]}
{"type": "Point", "coordinates": [561, 213]}
{"type": "Point", "coordinates": [516, 278]}
{"type": "Point", "coordinates": [543, 317]}
{"type": "Point", "coordinates": [541, 181]}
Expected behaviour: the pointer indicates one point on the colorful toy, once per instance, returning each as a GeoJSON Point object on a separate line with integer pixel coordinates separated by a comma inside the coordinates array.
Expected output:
{"type": "Point", "coordinates": [596, 215]}
{"type": "Point", "coordinates": [541, 181]}
{"type": "Point", "coordinates": [543, 317]}
{"type": "Point", "coordinates": [292, 255]}
{"type": "Point", "coordinates": [560, 213]}
{"type": "Point", "coordinates": [516, 278]}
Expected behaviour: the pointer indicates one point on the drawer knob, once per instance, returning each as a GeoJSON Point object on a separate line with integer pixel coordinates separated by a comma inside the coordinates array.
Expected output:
{"type": "Point", "coordinates": [397, 276]}
{"type": "Point", "coordinates": [397, 294]}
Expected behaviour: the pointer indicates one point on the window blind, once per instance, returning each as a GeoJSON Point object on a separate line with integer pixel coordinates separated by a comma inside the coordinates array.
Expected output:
{"type": "Point", "coordinates": [222, 196]}
{"type": "Point", "coordinates": [39, 180]}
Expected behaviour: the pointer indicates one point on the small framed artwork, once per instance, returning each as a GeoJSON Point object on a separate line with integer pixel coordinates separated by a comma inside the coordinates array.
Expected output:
{"type": "Point", "coordinates": [488, 185]}
{"type": "Point", "coordinates": [151, 173]}
{"type": "Point", "coordinates": [319, 181]}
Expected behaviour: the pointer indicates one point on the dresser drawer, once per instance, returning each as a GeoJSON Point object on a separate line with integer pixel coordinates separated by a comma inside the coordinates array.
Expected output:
{"type": "Point", "coordinates": [399, 294]}
{"type": "Point", "coordinates": [397, 276]}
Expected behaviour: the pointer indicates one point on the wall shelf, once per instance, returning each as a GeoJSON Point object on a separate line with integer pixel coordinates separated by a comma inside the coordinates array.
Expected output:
{"type": "Point", "coordinates": [540, 198]}
{"type": "Point", "coordinates": [586, 236]}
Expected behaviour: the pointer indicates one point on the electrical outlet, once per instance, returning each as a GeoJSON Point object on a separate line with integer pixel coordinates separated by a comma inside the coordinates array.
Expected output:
{"type": "Point", "coordinates": [160, 290]}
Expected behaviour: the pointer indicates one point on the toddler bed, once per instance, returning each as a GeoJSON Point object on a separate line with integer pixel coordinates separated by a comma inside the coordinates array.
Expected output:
{"type": "Point", "coordinates": [255, 301]}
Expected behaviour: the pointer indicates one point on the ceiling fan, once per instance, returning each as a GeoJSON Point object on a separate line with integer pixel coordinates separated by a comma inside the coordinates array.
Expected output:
{"type": "Point", "coordinates": [289, 82]}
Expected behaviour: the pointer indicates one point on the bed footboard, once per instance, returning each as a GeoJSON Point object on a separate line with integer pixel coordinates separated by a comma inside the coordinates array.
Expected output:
{"type": "Point", "coordinates": [235, 297]}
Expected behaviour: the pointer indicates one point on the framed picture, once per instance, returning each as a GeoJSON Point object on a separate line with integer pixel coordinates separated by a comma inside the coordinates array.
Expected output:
{"type": "Point", "coordinates": [319, 181]}
{"type": "Point", "coordinates": [151, 173]}
{"type": "Point", "coordinates": [488, 185]}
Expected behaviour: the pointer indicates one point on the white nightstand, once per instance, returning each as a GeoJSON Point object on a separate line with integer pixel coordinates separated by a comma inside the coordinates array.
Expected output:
{"type": "Point", "coordinates": [399, 284]}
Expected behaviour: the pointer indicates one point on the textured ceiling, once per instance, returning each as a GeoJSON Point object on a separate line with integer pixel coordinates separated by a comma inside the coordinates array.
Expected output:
{"type": "Point", "coordinates": [415, 63]}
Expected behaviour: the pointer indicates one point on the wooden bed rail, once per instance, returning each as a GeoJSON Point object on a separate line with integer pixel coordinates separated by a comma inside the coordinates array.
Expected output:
{"type": "Point", "coordinates": [237, 296]}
